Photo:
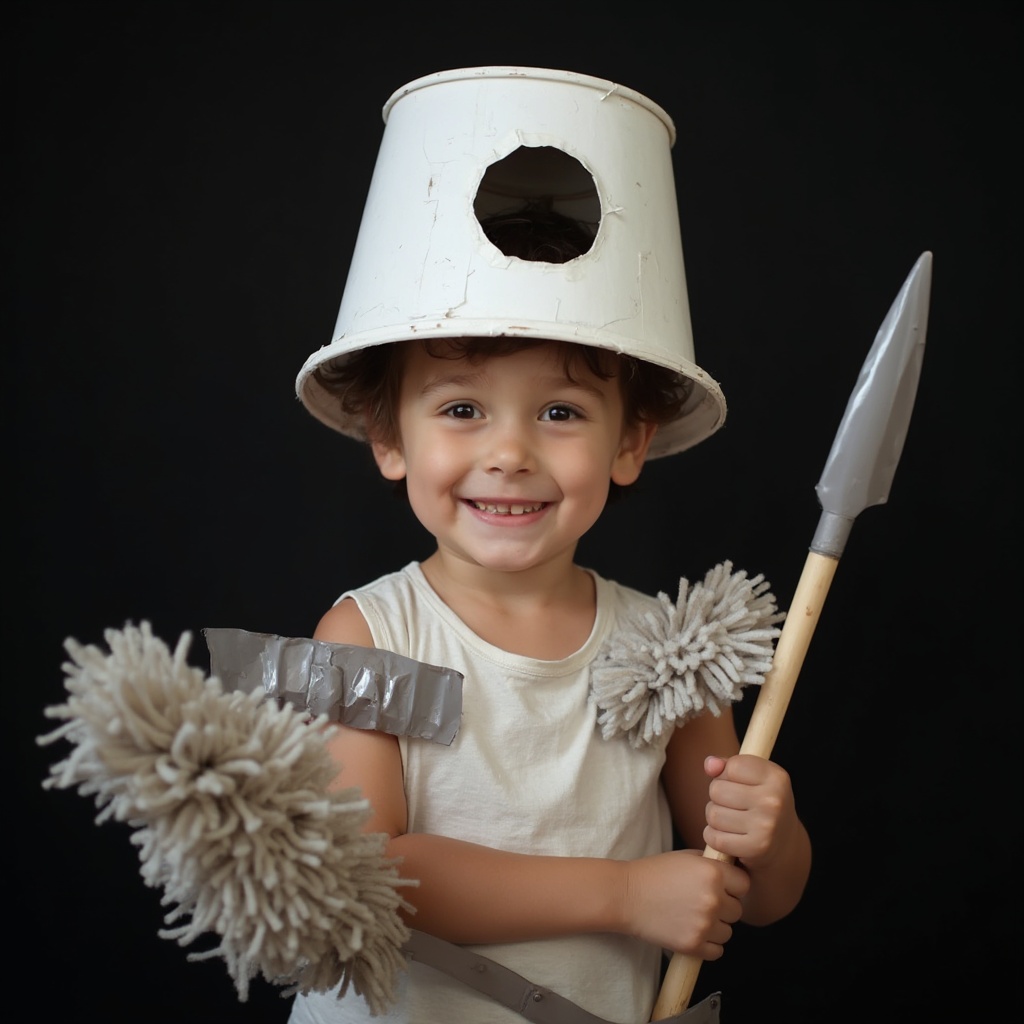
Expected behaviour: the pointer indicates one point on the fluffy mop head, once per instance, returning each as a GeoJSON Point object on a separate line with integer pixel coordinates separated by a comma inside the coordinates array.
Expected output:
{"type": "Point", "coordinates": [688, 657]}
{"type": "Point", "coordinates": [227, 796]}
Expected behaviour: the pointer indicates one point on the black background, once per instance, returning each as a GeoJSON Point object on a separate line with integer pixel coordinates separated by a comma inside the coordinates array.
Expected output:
{"type": "Point", "coordinates": [190, 179]}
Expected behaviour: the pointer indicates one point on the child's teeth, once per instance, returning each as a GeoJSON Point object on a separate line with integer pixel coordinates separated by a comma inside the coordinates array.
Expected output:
{"type": "Point", "coordinates": [505, 510]}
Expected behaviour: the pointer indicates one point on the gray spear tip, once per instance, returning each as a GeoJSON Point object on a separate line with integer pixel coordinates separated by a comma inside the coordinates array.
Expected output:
{"type": "Point", "coordinates": [867, 447]}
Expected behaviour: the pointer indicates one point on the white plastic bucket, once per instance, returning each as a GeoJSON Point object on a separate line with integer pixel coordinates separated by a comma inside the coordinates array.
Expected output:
{"type": "Point", "coordinates": [461, 144]}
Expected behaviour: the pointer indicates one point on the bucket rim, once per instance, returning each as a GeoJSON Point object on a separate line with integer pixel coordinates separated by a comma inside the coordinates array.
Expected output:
{"type": "Point", "coordinates": [704, 414]}
{"type": "Point", "coordinates": [511, 71]}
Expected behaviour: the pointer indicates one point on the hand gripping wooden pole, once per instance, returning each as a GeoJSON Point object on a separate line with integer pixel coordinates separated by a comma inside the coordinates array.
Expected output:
{"type": "Point", "coordinates": [762, 731]}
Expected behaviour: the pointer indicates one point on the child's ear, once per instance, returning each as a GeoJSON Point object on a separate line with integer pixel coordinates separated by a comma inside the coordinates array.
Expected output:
{"type": "Point", "coordinates": [390, 460]}
{"type": "Point", "coordinates": [636, 440]}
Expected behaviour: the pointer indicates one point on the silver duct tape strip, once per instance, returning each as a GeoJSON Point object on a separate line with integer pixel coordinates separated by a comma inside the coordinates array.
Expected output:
{"type": "Point", "coordinates": [359, 686]}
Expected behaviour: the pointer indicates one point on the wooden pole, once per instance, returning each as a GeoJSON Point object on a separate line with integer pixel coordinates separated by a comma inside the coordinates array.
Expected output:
{"type": "Point", "coordinates": [762, 731]}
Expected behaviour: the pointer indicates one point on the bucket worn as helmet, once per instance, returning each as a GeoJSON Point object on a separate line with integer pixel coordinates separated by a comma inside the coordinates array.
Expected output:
{"type": "Point", "coordinates": [463, 147]}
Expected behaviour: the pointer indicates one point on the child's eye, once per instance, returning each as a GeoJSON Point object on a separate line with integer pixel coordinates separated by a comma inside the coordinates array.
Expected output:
{"type": "Point", "coordinates": [462, 411]}
{"type": "Point", "coordinates": [560, 413]}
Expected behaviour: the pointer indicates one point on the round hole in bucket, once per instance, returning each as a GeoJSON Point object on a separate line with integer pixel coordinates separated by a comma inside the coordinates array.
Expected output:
{"type": "Point", "coordinates": [539, 204]}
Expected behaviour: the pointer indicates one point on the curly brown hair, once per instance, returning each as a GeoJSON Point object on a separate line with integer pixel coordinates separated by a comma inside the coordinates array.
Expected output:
{"type": "Point", "coordinates": [367, 383]}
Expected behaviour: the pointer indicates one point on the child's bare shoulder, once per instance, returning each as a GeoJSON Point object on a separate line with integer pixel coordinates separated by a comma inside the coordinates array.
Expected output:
{"type": "Point", "coordinates": [344, 623]}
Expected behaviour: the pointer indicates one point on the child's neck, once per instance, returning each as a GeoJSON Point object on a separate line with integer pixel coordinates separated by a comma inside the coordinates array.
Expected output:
{"type": "Point", "coordinates": [547, 613]}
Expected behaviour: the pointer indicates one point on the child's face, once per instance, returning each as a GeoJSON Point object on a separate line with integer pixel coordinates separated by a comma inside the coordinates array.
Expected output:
{"type": "Point", "coordinates": [507, 461]}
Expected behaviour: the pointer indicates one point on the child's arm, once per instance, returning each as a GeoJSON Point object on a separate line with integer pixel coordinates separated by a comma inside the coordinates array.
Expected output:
{"type": "Point", "coordinates": [475, 894]}
{"type": "Point", "coordinates": [747, 812]}
{"type": "Point", "coordinates": [469, 893]}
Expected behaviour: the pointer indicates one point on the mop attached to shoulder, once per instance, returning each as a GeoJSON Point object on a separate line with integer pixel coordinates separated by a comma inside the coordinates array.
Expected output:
{"type": "Point", "coordinates": [227, 793]}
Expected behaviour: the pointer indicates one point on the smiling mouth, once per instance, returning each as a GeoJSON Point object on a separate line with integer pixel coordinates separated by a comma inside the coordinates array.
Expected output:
{"type": "Point", "coordinates": [500, 509]}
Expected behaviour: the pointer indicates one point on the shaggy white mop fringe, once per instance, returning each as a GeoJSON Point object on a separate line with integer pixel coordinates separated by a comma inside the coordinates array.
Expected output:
{"type": "Point", "coordinates": [227, 794]}
{"type": "Point", "coordinates": [694, 655]}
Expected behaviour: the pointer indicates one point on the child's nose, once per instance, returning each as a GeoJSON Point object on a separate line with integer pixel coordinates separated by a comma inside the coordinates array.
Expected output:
{"type": "Point", "coordinates": [510, 451]}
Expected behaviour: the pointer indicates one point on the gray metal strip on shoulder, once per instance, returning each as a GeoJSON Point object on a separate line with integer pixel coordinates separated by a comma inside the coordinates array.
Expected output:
{"type": "Point", "coordinates": [364, 687]}
{"type": "Point", "coordinates": [532, 1002]}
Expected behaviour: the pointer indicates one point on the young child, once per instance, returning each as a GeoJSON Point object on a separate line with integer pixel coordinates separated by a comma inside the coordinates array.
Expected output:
{"type": "Point", "coordinates": [537, 841]}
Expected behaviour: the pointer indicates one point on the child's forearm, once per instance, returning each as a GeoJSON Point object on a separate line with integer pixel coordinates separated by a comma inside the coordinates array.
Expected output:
{"type": "Point", "coordinates": [476, 894]}
{"type": "Point", "coordinates": [676, 900]}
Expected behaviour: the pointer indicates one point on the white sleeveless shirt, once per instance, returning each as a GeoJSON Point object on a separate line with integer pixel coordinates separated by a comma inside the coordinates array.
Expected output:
{"type": "Point", "coordinates": [528, 772]}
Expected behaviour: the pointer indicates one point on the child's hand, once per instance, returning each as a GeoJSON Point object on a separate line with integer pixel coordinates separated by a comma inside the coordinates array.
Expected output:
{"type": "Point", "coordinates": [684, 902]}
{"type": "Point", "coordinates": [751, 814]}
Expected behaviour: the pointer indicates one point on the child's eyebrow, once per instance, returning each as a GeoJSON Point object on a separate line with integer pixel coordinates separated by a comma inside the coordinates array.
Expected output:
{"type": "Point", "coordinates": [440, 381]}
{"type": "Point", "coordinates": [556, 382]}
